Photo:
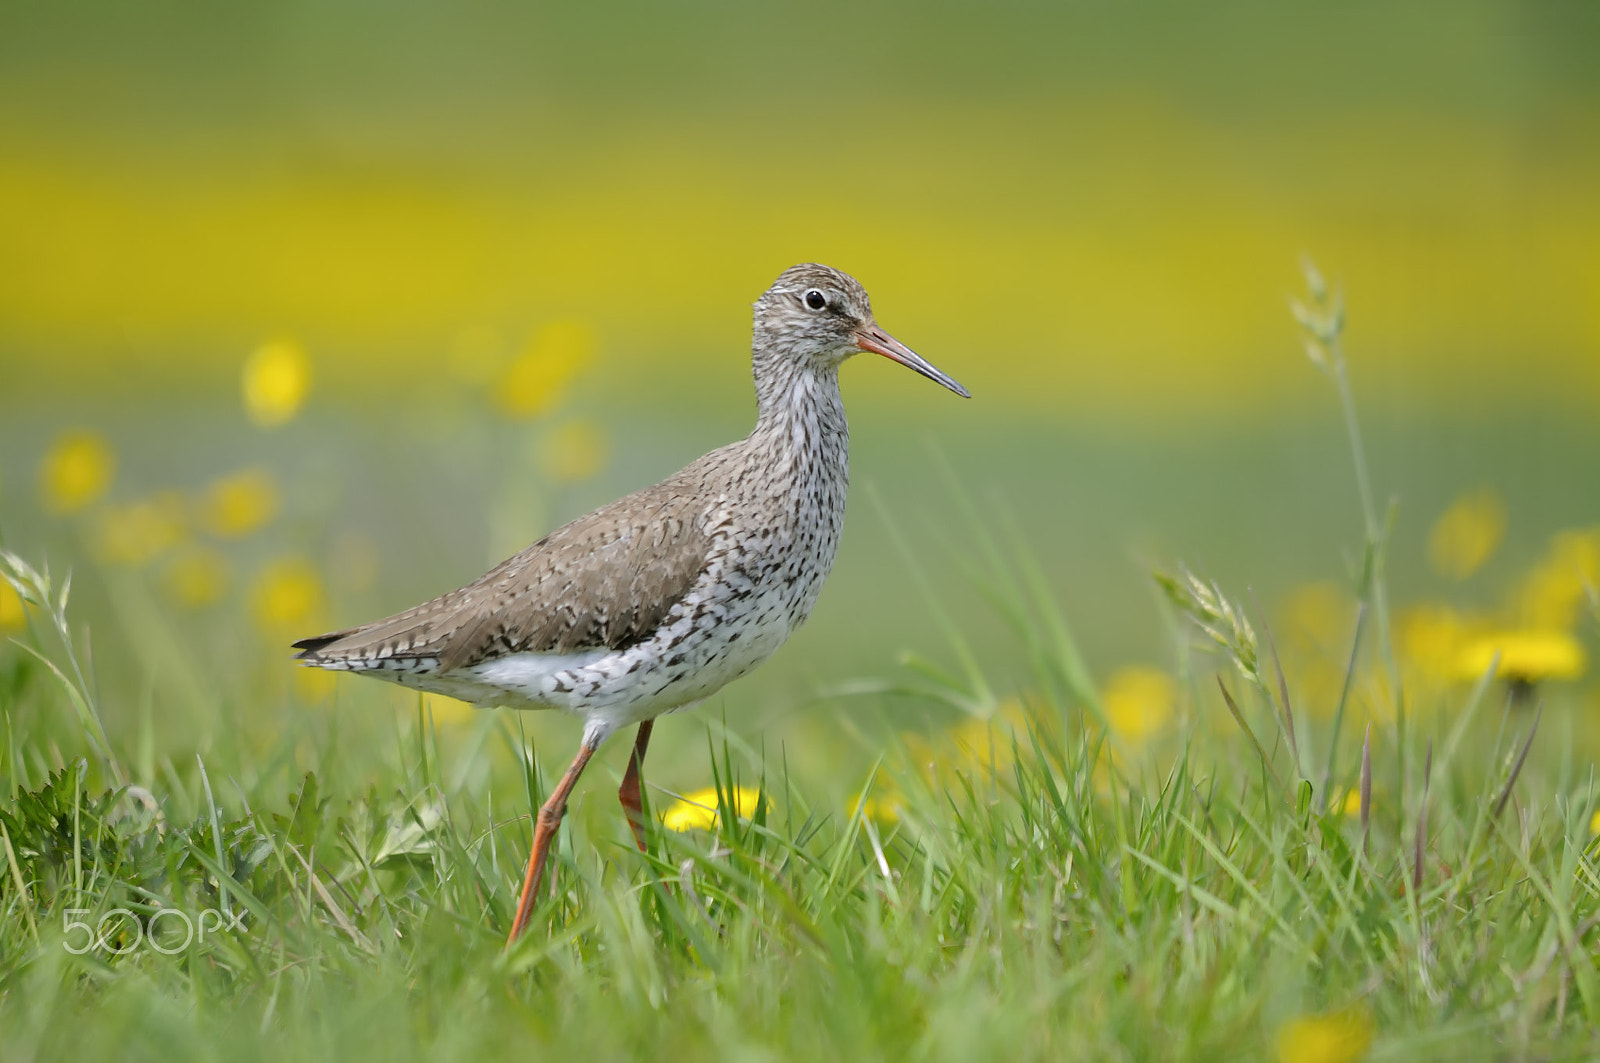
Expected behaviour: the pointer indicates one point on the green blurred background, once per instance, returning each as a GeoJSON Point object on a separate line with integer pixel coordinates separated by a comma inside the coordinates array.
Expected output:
{"type": "Point", "coordinates": [397, 215]}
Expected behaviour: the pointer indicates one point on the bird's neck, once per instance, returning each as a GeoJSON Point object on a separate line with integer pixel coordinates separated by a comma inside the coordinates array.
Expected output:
{"type": "Point", "coordinates": [801, 412]}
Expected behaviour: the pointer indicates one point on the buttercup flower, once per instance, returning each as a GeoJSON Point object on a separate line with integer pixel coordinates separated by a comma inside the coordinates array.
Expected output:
{"type": "Point", "coordinates": [1467, 534]}
{"type": "Point", "coordinates": [197, 577]}
{"type": "Point", "coordinates": [139, 532]}
{"type": "Point", "coordinates": [1340, 1037]}
{"type": "Point", "coordinates": [573, 452]}
{"type": "Point", "coordinates": [75, 472]}
{"type": "Point", "coordinates": [1526, 656]}
{"type": "Point", "coordinates": [1139, 702]}
{"type": "Point", "coordinates": [277, 378]}
{"type": "Point", "coordinates": [537, 382]}
{"type": "Point", "coordinates": [238, 504]}
{"type": "Point", "coordinates": [698, 811]}
{"type": "Point", "coordinates": [288, 596]}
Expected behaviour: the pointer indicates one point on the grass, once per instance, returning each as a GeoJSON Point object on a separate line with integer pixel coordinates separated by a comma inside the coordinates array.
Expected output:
{"type": "Point", "coordinates": [1051, 891]}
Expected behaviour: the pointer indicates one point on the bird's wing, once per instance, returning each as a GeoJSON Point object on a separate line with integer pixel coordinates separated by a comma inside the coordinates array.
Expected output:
{"type": "Point", "coordinates": [606, 580]}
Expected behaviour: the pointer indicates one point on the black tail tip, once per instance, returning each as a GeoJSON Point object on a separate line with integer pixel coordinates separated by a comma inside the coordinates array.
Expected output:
{"type": "Point", "coordinates": [312, 646]}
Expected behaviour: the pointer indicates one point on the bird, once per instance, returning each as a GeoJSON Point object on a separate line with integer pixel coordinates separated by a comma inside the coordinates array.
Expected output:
{"type": "Point", "coordinates": [656, 601]}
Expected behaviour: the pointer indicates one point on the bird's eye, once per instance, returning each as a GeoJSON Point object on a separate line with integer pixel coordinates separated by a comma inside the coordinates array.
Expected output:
{"type": "Point", "coordinates": [815, 299]}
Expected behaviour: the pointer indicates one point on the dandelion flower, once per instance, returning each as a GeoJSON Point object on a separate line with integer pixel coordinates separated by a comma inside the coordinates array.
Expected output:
{"type": "Point", "coordinates": [573, 452]}
{"type": "Point", "coordinates": [239, 504]}
{"type": "Point", "coordinates": [1529, 655]}
{"type": "Point", "coordinates": [1341, 1037]}
{"type": "Point", "coordinates": [197, 578]}
{"type": "Point", "coordinates": [287, 596]}
{"type": "Point", "coordinates": [1139, 702]}
{"type": "Point", "coordinates": [13, 613]}
{"type": "Point", "coordinates": [139, 532]}
{"type": "Point", "coordinates": [1594, 823]}
{"type": "Point", "coordinates": [1467, 534]}
{"type": "Point", "coordinates": [76, 471]}
{"type": "Point", "coordinates": [537, 382]}
{"type": "Point", "coordinates": [277, 377]}
{"type": "Point", "coordinates": [1351, 806]}
{"type": "Point", "coordinates": [698, 811]}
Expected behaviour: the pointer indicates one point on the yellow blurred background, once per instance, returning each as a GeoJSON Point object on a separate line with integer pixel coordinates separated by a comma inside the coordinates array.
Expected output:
{"type": "Point", "coordinates": [311, 310]}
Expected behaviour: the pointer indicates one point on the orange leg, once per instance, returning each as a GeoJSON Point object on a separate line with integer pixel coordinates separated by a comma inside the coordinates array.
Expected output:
{"type": "Point", "coordinates": [630, 792]}
{"type": "Point", "coordinates": [544, 832]}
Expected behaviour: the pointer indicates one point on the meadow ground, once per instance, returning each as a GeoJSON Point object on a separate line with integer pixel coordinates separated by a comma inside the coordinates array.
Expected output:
{"type": "Point", "coordinates": [1365, 832]}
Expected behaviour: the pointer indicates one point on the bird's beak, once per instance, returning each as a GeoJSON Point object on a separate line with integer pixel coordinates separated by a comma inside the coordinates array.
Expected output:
{"type": "Point", "coordinates": [872, 338]}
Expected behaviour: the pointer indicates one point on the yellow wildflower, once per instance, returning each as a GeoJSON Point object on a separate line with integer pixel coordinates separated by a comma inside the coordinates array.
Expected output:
{"type": "Point", "coordinates": [287, 596]}
{"type": "Point", "coordinates": [1351, 806]}
{"type": "Point", "coordinates": [198, 577]}
{"type": "Point", "coordinates": [1319, 618]}
{"type": "Point", "coordinates": [1528, 655]}
{"type": "Point", "coordinates": [1339, 1037]}
{"type": "Point", "coordinates": [239, 503]}
{"type": "Point", "coordinates": [76, 471]}
{"type": "Point", "coordinates": [139, 532]}
{"type": "Point", "coordinates": [444, 709]}
{"type": "Point", "coordinates": [698, 811]}
{"type": "Point", "coordinates": [1467, 534]}
{"type": "Point", "coordinates": [1554, 592]}
{"type": "Point", "coordinates": [277, 377]}
{"type": "Point", "coordinates": [573, 452]}
{"type": "Point", "coordinates": [1594, 823]}
{"type": "Point", "coordinates": [314, 684]}
{"type": "Point", "coordinates": [13, 611]}
{"type": "Point", "coordinates": [537, 381]}
{"type": "Point", "coordinates": [1430, 638]}
{"type": "Point", "coordinates": [1139, 702]}
{"type": "Point", "coordinates": [884, 804]}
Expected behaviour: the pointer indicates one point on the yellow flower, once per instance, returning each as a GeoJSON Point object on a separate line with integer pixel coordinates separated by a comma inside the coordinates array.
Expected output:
{"type": "Point", "coordinates": [314, 684]}
{"type": "Point", "coordinates": [277, 376]}
{"type": "Point", "coordinates": [885, 804]}
{"type": "Point", "coordinates": [1139, 702]}
{"type": "Point", "coordinates": [76, 471]}
{"type": "Point", "coordinates": [238, 504]}
{"type": "Point", "coordinates": [1340, 1037]}
{"type": "Point", "coordinates": [13, 611]}
{"type": "Point", "coordinates": [1594, 823]}
{"type": "Point", "coordinates": [1527, 655]}
{"type": "Point", "coordinates": [1554, 592]}
{"type": "Point", "coordinates": [1467, 534]}
{"type": "Point", "coordinates": [139, 532]}
{"type": "Point", "coordinates": [444, 709]}
{"type": "Point", "coordinates": [1319, 618]}
{"type": "Point", "coordinates": [1430, 638]}
{"type": "Point", "coordinates": [573, 452]}
{"type": "Point", "coordinates": [978, 745]}
{"type": "Point", "coordinates": [287, 596]}
{"type": "Point", "coordinates": [537, 381]}
{"type": "Point", "coordinates": [698, 811]}
{"type": "Point", "coordinates": [198, 577]}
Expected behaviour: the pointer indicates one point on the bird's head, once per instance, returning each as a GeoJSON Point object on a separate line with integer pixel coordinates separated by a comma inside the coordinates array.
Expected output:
{"type": "Point", "coordinates": [821, 316]}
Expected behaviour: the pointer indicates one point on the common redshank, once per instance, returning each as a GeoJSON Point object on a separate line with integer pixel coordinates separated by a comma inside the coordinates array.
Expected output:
{"type": "Point", "coordinates": [661, 598]}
